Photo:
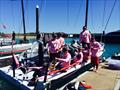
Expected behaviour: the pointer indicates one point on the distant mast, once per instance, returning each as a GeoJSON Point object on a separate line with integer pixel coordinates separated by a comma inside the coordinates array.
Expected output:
{"type": "Point", "coordinates": [37, 22]}
{"type": "Point", "coordinates": [86, 17]}
{"type": "Point", "coordinates": [23, 20]}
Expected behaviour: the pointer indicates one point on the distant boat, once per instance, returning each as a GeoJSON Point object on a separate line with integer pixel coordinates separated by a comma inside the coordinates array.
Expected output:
{"type": "Point", "coordinates": [71, 36]}
{"type": "Point", "coordinates": [17, 48]}
{"type": "Point", "coordinates": [7, 46]}
{"type": "Point", "coordinates": [111, 37]}
{"type": "Point", "coordinates": [5, 39]}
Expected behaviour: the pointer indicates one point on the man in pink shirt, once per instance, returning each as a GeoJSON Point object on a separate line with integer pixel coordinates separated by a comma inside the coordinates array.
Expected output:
{"type": "Point", "coordinates": [61, 42]}
{"type": "Point", "coordinates": [95, 53]}
{"type": "Point", "coordinates": [53, 47]}
{"type": "Point", "coordinates": [65, 60]}
{"type": "Point", "coordinates": [85, 37]}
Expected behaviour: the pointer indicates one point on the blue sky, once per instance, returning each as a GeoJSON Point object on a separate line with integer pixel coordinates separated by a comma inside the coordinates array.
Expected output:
{"type": "Point", "coordinates": [59, 15]}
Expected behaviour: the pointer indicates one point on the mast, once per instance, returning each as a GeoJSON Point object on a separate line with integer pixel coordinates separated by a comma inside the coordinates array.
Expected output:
{"type": "Point", "coordinates": [86, 17]}
{"type": "Point", "coordinates": [41, 46]}
{"type": "Point", "coordinates": [23, 20]}
{"type": "Point", "coordinates": [37, 22]}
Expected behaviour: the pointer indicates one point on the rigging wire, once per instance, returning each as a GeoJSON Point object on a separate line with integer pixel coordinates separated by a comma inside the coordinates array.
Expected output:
{"type": "Point", "coordinates": [13, 16]}
{"type": "Point", "coordinates": [102, 39]}
{"type": "Point", "coordinates": [0, 12]}
{"type": "Point", "coordinates": [78, 13]}
{"type": "Point", "coordinates": [3, 24]}
{"type": "Point", "coordinates": [41, 6]}
{"type": "Point", "coordinates": [1, 17]}
{"type": "Point", "coordinates": [110, 15]}
{"type": "Point", "coordinates": [26, 15]}
{"type": "Point", "coordinates": [1, 20]}
{"type": "Point", "coordinates": [20, 27]}
{"type": "Point", "coordinates": [92, 19]}
{"type": "Point", "coordinates": [104, 12]}
{"type": "Point", "coordinates": [92, 16]}
{"type": "Point", "coordinates": [68, 12]}
{"type": "Point", "coordinates": [119, 14]}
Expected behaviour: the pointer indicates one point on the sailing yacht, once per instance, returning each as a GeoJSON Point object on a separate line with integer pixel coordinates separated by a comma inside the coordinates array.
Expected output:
{"type": "Point", "coordinates": [52, 80]}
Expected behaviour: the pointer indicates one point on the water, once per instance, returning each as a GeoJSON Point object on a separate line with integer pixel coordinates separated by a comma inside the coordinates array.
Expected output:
{"type": "Point", "coordinates": [110, 49]}
{"type": "Point", "coordinates": [18, 40]}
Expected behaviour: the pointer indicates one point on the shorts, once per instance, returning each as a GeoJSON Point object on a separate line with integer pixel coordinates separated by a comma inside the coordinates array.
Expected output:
{"type": "Point", "coordinates": [95, 60]}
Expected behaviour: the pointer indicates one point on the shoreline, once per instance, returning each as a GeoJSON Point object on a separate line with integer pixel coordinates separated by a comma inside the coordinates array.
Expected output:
{"type": "Point", "coordinates": [27, 37]}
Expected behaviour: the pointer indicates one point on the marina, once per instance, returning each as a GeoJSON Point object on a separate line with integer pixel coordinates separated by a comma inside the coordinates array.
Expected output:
{"type": "Point", "coordinates": [60, 53]}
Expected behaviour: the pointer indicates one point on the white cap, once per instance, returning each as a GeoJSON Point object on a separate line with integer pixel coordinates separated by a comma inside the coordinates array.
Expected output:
{"type": "Point", "coordinates": [37, 6]}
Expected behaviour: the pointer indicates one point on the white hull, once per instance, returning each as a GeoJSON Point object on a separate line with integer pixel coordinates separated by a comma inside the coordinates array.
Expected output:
{"type": "Point", "coordinates": [54, 78]}
{"type": "Point", "coordinates": [15, 48]}
{"type": "Point", "coordinates": [18, 79]}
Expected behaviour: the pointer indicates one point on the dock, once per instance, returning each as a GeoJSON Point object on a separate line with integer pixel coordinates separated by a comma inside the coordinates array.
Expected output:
{"type": "Point", "coordinates": [104, 79]}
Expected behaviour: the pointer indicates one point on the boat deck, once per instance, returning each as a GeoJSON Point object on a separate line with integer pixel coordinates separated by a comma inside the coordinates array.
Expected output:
{"type": "Point", "coordinates": [104, 79]}
{"type": "Point", "coordinates": [53, 80]}
{"type": "Point", "coordinates": [7, 73]}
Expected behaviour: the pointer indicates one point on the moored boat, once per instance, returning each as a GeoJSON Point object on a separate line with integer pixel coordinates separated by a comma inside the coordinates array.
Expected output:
{"type": "Point", "coordinates": [17, 48]}
{"type": "Point", "coordinates": [5, 40]}
{"type": "Point", "coordinates": [55, 78]}
{"type": "Point", "coordinates": [114, 62]}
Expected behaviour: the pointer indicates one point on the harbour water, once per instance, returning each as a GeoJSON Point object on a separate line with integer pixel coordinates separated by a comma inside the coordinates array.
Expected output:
{"type": "Point", "coordinates": [110, 49]}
